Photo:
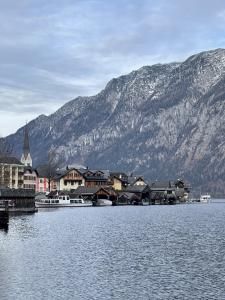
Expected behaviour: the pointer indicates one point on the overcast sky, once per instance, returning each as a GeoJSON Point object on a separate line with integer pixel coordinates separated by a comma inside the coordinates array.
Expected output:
{"type": "Point", "coordinates": [52, 51]}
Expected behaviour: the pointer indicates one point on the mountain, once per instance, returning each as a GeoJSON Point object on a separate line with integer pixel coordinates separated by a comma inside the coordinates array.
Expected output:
{"type": "Point", "coordinates": [164, 121]}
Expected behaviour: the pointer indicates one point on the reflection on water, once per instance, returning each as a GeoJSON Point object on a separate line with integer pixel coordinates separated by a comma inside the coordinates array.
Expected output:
{"type": "Point", "coordinates": [153, 252]}
{"type": "Point", "coordinates": [4, 228]}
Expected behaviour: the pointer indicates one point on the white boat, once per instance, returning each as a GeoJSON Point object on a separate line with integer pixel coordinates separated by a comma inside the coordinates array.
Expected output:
{"type": "Point", "coordinates": [62, 201]}
{"type": "Point", "coordinates": [205, 198]}
{"type": "Point", "coordinates": [103, 202]}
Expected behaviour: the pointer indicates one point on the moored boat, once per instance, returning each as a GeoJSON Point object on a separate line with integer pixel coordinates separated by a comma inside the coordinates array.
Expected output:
{"type": "Point", "coordinates": [62, 201]}
{"type": "Point", "coordinates": [205, 198]}
{"type": "Point", "coordinates": [103, 202]}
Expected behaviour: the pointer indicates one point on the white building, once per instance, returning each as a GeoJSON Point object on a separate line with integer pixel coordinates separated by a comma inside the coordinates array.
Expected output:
{"type": "Point", "coordinates": [11, 172]}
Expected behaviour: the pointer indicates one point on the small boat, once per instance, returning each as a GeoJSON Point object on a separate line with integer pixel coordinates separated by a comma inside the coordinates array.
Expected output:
{"type": "Point", "coordinates": [205, 198]}
{"type": "Point", "coordinates": [103, 202]}
{"type": "Point", "coordinates": [62, 201]}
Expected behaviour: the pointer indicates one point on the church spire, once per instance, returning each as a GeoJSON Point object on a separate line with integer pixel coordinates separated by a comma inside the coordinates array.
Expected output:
{"type": "Point", "coordinates": [26, 157]}
{"type": "Point", "coordinates": [26, 144]}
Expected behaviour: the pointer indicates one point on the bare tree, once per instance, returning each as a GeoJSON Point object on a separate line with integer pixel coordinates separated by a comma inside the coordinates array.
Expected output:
{"type": "Point", "coordinates": [53, 162]}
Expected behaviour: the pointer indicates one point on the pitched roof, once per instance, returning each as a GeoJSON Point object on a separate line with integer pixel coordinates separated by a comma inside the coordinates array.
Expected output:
{"type": "Point", "coordinates": [132, 179]}
{"type": "Point", "coordinates": [162, 184]}
{"type": "Point", "coordinates": [128, 195]}
{"type": "Point", "coordinates": [62, 172]}
{"type": "Point", "coordinates": [82, 190]}
{"type": "Point", "coordinates": [93, 174]}
{"type": "Point", "coordinates": [120, 175]}
{"type": "Point", "coordinates": [122, 180]}
{"type": "Point", "coordinates": [17, 193]}
{"type": "Point", "coordinates": [10, 160]}
{"type": "Point", "coordinates": [30, 169]}
{"type": "Point", "coordinates": [137, 188]}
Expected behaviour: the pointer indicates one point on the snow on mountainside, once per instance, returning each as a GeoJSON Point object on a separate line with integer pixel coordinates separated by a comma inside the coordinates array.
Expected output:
{"type": "Point", "coordinates": [163, 121]}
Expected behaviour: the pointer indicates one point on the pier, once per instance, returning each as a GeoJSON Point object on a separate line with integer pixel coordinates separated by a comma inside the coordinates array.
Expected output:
{"type": "Point", "coordinates": [4, 216]}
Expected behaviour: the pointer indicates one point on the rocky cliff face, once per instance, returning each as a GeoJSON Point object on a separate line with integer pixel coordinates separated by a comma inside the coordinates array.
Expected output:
{"type": "Point", "coordinates": [163, 121]}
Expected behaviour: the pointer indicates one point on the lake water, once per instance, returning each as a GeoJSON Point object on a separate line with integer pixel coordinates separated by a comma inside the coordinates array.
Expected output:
{"type": "Point", "coordinates": [130, 252]}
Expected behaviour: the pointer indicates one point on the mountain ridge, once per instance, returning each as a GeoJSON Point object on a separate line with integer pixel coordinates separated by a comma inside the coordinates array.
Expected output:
{"type": "Point", "coordinates": [164, 121]}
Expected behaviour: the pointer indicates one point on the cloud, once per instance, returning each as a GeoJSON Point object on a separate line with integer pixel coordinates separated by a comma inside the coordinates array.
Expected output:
{"type": "Point", "coordinates": [52, 51]}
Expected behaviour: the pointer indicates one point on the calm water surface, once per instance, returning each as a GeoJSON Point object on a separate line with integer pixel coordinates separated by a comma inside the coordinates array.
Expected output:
{"type": "Point", "coordinates": [153, 252]}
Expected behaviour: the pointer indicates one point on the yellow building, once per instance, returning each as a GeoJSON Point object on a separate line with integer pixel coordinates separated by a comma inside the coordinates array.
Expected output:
{"type": "Point", "coordinates": [116, 183]}
{"type": "Point", "coordinates": [68, 180]}
{"type": "Point", "coordinates": [11, 172]}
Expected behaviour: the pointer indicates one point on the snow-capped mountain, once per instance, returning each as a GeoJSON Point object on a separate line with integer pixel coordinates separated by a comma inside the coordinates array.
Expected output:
{"type": "Point", "coordinates": [164, 121]}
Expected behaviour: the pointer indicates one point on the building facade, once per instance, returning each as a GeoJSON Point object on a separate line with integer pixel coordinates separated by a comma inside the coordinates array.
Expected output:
{"type": "Point", "coordinates": [11, 172]}
{"type": "Point", "coordinates": [42, 185]}
{"type": "Point", "coordinates": [30, 178]}
{"type": "Point", "coordinates": [96, 178]}
{"type": "Point", "coordinates": [69, 179]}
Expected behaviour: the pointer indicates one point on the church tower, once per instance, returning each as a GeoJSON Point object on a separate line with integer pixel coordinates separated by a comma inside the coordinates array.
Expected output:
{"type": "Point", "coordinates": [26, 157]}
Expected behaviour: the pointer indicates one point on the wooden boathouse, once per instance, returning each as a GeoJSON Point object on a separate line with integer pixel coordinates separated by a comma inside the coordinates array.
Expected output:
{"type": "Point", "coordinates": [18, 200]}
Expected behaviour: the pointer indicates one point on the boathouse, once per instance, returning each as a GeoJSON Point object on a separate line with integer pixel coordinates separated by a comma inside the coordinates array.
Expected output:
{"type": "Point", "coordinates": [96, 193]}
{"type": "Point", "coordinates": [19, 200]}
{"type": "Point", "coordinates": [142, 194]}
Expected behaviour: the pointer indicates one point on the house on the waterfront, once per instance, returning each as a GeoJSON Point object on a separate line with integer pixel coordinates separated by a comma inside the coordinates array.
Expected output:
{"type": "Point", "coordinates": [67, 180]}
{"type": "Point", "coordinates": [96, 178]}
{"type": "Point", "coordinates": [72, 178]}
{"type": "Point", "coordinates": [11, 172]}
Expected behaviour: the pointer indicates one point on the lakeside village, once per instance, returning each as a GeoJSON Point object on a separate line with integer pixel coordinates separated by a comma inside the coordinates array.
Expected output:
{"type": "Point", "coordinates": [21, 186]}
